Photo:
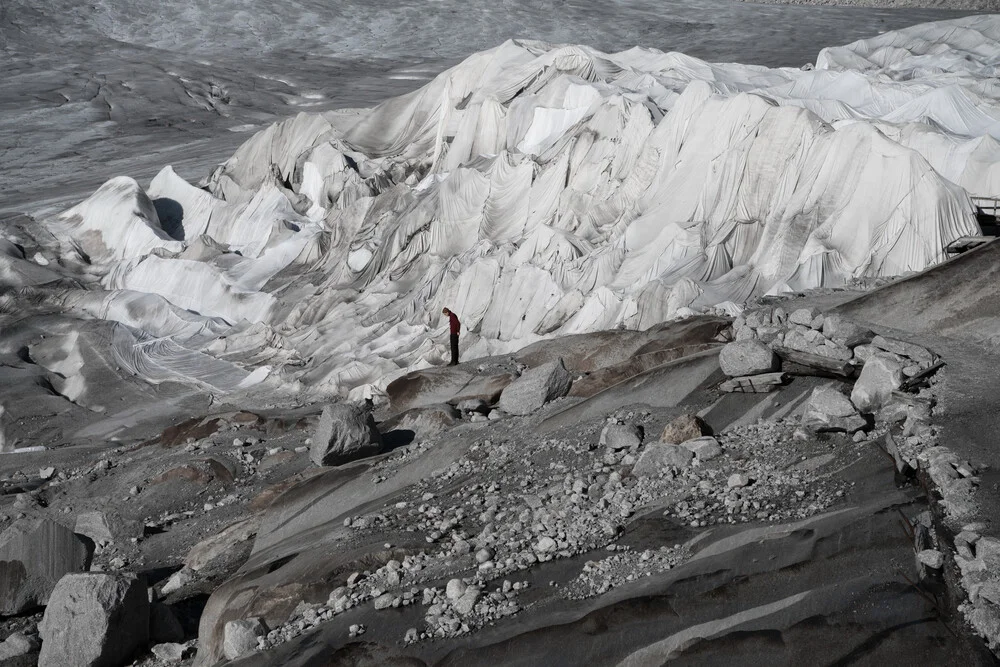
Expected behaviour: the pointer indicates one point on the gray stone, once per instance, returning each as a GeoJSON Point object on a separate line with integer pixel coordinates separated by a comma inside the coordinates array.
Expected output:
{"type": "Point", "coordinates": [94, 620]}
{"type": "Point", "coordinates": [535, 388]}
{"type": "Point", "coordinates": [17, 645]}
{"type": "Point", "coordinates": [240, 637]}
{"type": "Point", "coordinates": [621, 436]}
{"type": "Point", "coordinates": [758, 318]}
{"type": "Point", "coordinates": [455, 589]}
{"type": "Point", "coordinates": [467, 602]}
{"type": "Point", "coordinates": [846, 332]}
{"type": "Point", "coordinates": [829, 410]}
{"type": "Point", "coordinates": [345, 432]}
{"type": "Point", "coordinates": [34, 555]}
{"type": "Point", "coordinates": [173, 651]}
{"type": "Point", "coordinates": [737, 481]}
{"type": "Point", "coordinates": [803, 316]}
{"type": "Point", "coordinates": [932, 558]}
{"type": "Point", "coordinates": [660, 455]}
{"type": "Point", "coordinates": [748, 357]}
{"type": "Point", "coordinates": [880, 376]}
{"type": "Point", "coordinates": [98, 526]}
{"type": "Point", "coordinates": [178, 580]}
{"type": "Point", "coordinates": [919, 354]}
{"type": "Point", "coordinates": [473, 405]}
{"type": "Point", "coordinates": [686, 427]}
{"type": "Point", "coordinates": [704, 448]}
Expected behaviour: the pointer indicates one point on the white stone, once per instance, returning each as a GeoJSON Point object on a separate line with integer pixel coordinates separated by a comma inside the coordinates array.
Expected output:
{"type": "Point", "coordinates": [880, 376]}
{"type": "Point", "coordinates": [535, 388]}
{"type": "Point", "coordinates": [737, 480]}
{"type": "Point", "coordinates": [240, 637]}
{"type": "Point", "coordinates": [748, 357]}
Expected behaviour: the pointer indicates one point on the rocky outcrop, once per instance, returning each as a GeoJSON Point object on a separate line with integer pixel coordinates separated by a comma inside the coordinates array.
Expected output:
{"type": "Point", "coordinates": [535, 388]}
{"type": "Point", "coordinates": [345, 432]}
{"type": "Point", "coordinates": [34, 555]}
{"type": "Point", "coordinates": [94, 620]}
{"type": "Point", "coordinates": [748, 357]}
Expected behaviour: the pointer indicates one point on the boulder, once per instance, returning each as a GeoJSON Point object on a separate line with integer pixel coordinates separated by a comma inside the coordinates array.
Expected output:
{"type": "Point", "coordinates": [686, 427]}
{"type": "Point", "coordinates": [704, 448]}
{"type": "Point", "coordinates": [748, 357]}
{"type": "Point", "coordinates": [34, 555]}
{"type": "Point", "coordinates": [880, 376]}
{"type": "Point", "coordinates": [660, 455]}
{"type": "Point", "coordinates": [173, 652]}
{"type": "Point", "coordinates": [241, 637]}
{"type": "Point", "coordinates": [98, 526]}
{"type": "Point", "coordinates": [535, 388]}
{"type": "Point", "coordinates": [94, 620]}
{"type": "Point", "coordinates": [829, 410]}
{"type": "Point", "coordinates": [345, 432]}
{"type": "Point", "coordinates": [803, 316]}
{"type": "Point", "coordinates": [621, 436]}
{"type": "Point", "coordinates": [17, 650]}
{"type": "Point", "coordinates": [919, 354]}
{"type": "Point", "coordinates": [432, 386]}
{"type": "Point", "coordinates": [846, 332]}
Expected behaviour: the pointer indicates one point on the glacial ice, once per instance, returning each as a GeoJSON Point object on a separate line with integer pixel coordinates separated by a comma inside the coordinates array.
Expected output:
{"type": "Point", "coordinates": [537, 190]}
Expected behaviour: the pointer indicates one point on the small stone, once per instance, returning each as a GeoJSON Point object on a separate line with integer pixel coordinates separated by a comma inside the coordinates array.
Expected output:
{"type": "Point", "coordinates": [384, 601]}
{"type": "Point", "coordinates": [704, 448]}
{"type": "Point", "coordinates": [932, 558]}
{"type": "Point", "coordinates": [737, 480]}
{"type": "Point", "coordinates": [46, 473]}
{"type": "Point", "coordinates": [621, 436]}
{"type": "Point", "coordinates": [455, 589]}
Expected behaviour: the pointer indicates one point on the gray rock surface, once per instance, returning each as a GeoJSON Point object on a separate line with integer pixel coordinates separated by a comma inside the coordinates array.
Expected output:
{"type": "Point", "coordinates": [704, 448]}
{"type": "Point", "coordinates": [660, 455]}
{"type": "Point", "coordinates": [748, 357]}
{"type": "Point", "coordinates": [901, 347]}
{"type": "Point", "coordinates": [830, 410]}
{"type": "Point", "coordinates": [880, 376]}
{"type": "Point", "coordinates": [34, 555]}
{"type": "Point", "coordinates": [535, 388]}
{"type": "Point", "coordinates": [100, 526]}
{"type": "Point", "coordinates": [803, 316]}
{"type": "Point", "coordinates": [94, 620]}
{"type": "Point", "coordinates": [345, 432]}
{"type": "Point", "coordinates": [241, 636]}
{"type": "Point", "coordinates": [846, 332]}
{"type": "Point", "coordinates": [17, 649]}
{"type": "Point", "coordinates": [621, 436]}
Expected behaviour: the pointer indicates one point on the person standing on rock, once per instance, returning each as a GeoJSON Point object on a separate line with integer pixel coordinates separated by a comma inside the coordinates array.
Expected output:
{"type": "Point", "coordinates": [456, 326]}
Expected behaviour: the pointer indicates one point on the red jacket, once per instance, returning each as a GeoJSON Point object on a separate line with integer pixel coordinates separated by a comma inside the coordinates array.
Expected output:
{"type": "Point", "coordinates": [456, 326]}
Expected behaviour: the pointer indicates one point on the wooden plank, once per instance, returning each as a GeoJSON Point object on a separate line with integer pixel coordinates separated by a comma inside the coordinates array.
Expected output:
{"type": "Point", "coordinates": [920, 377]}
{"type": "Point", "coordinates": [826, 364]}
{"type": "Point", "coordinates": [754, 384]}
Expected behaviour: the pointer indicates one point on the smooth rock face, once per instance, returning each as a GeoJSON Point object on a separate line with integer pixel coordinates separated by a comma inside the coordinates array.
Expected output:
{"type": "Point", "coordinates": [748, 357]}
{"type": "Point", "coordinates": [535, 388]}
{"type": "Point", "coordinates": [621, 436]}
{"type": "Point", "coordinates": [34, 555]}
{"type": "Point", "coordinates": [661, 455]}
{"type": "Point", "coordinates": [684, 428]}
{"type": "Point", "coordinates": [829, 410]}
{"type": "Point", "coordinates": [704, 448]}
{"type": "Point", "coordinates": [241, 637]}
{"type": "Point", "coordinates": [94, 620]}
{"type": "Point", "coordinates": [98, 526]}
{"type": "Point", "coordinates": [345, 433]}
{"type": "Point", "coordinates": [880, 376]}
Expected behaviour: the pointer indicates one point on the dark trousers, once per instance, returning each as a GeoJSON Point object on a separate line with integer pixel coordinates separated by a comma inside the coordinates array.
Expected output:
{"type": "Point", "coordinates": [454, 350]}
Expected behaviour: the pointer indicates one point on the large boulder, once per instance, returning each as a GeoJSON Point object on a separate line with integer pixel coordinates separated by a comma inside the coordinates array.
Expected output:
{"type": "Point", "coordinates": [686, 427]}
{"type": "Point", "coordinates": [830, 410]}
{"type": "Point", "coordinates": [94, 620]}
{"type": "Point", "coordinates": [881, 375]}
{"type": "Point", "coordinates": [345, 432]}
{"type": "Point", "coordinates": [846, 332]}
{"type": "Point", "coordinates": [659, 456]}
{"type": "Point", "coordinates": [535, 388]}
{"type": "Point", "coordinates": [34, 555]}
{"type": "Point", "coordinates": [102, 527]}
{"type": "Point", "coordinates": [748, 357]}
{"type": "Point", "coordinates": [241, 637]}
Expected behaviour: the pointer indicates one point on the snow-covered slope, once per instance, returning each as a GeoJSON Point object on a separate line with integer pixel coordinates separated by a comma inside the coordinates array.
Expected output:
{"type": "Point", "coordinates": [544, 190]}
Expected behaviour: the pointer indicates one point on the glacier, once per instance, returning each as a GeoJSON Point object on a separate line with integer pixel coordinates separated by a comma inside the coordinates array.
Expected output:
{"type": "Point", "coordinates": [537, 190]}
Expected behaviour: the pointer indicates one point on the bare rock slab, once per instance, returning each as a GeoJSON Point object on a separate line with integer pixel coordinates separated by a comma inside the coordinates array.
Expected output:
{"type": "Point", "coordinates": [748, 357]}
{"type": "Point", "coordinates": [919, 354]}
{"type": "Point", "coordinates": [345, 433]}
{"type": "Point", "coordinates": [535, 388]}
{"type": "Point", "coordinates": [34, 555]}
{"type": "Point", "coordinates": [830, 410]}
{"type": "Point", "coordinates": [94, 620]}
{"type": "Point", "coordinates": [881, 376]}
